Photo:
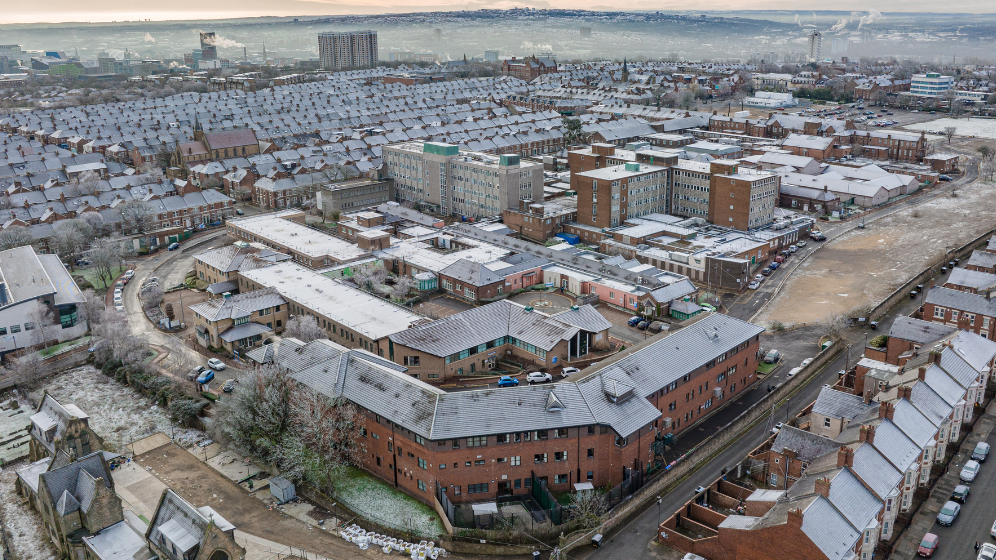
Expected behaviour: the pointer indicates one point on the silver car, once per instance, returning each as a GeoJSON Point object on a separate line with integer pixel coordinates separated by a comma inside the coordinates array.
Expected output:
{"type": "Point", "coordinates": [969, 471]}
{"type": "Point", "coordinates": [948, 513]}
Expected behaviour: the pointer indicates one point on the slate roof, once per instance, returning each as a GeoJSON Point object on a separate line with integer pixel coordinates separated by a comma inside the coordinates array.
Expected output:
{"type": "Point", "coordinates": [182, 523]}
{"type": "Point", "coordinates": [73, 486]}
{"type": "Point", "coordinates": [808, 446]}
{"type": "Point", "coordinates": [473, 273]}
{"type": "Point", "coordinates": [829, 530]}
{"type": "Point", "coordinates": [962, 301]}
{"type": "Point", "coordinates": [982, 259]}
{"type": "Point", "coordinates": [971, 278]}
{"type": "Point", "coordinates": [231, 138]}
{"type": "Point", "coordinates": [674, 291]}
{"type": "Point", "coordinates": [918, 330]}
{"type": "Point", "coordinates": [240, 332]}
{"type": "Point", "coordinates": [238, 305]}
{"type": "Point", "coordinates": [875, 470]}
{"type": "Point", "coordinates": [52, 414]}
{"type": "Point", "coordinates": [838, 404]}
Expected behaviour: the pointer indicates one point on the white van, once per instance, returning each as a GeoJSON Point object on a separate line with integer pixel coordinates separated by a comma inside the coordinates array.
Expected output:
{"type": "Point", "coordinates": [794, 371]}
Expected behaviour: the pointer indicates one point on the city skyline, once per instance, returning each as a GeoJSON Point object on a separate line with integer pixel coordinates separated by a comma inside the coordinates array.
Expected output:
{"type": "Point", "coordinates": [64, 11]}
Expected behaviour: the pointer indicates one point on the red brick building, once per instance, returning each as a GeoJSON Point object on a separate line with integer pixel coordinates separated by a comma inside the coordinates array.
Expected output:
{"type": "Point", "coordinates": [528, 68]}
{"type": "Point", "coordinates": [478, 445]}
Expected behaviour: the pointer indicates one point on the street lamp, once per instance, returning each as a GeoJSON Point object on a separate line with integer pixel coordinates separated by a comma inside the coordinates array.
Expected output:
{"type": "Point", "coordinates": [659, 500]}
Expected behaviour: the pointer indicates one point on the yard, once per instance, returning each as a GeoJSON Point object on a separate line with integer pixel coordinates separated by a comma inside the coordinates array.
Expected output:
{"type": "Point", "coordinates": [28, 538]}
{"type": "Point", "coordinates": [46, 352]}
{"type": "Point", "coordinates": [368, 496]}
{"type": "Point", "coordinates": [90, 274]}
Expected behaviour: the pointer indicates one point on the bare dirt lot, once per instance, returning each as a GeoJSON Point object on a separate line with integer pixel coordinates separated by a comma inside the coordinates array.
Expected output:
{"type": "Point", "coordinates": [862, 267]}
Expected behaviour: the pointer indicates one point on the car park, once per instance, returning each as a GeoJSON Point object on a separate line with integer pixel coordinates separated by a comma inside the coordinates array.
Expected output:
{"type": "Point", "coordinates": [927, 545]}
{"type": "Point", "coordinates": [969, 471]}
{"type": "Point", "coordinates": [506, 381]}
{"type": "Point", "coordinates": [981, 452]}
{"type": "Point", "coordinates": [948, 513]}
{"type": "Point", "coordinates": [987, 552]}
{"type": "Point", "coordinates": [539, 377]}
{"type": "Point", "coordinates": [960, 493]}
{"type": "Point", "coordinates": [754, 285]}
{"type": "Point", "coordinates": [567, 371]}
{"type": "Point", "coordinates": [205, 377]}
{"type": "Point", "coordinates": [216, 364]}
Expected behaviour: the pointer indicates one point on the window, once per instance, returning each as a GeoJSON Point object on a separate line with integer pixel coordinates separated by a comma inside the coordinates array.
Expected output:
{"type": "Point", "coordinates": [560, 479]}
{"type": "Point", "coordinates": [501, 438]}
{"type": "Point", "coordinates": [479, 441]}
{"type": "Point", "coordinates": [561, 433]}
{"type": "Point", "coordinates": [29, 326]}
{"type": "Point", "coordinates": [939, 312]}
{"type": "Point", "coordinates": [419, 440]}
{"type": "Point", "coordinates": [477, 488]}
{"type": "Point", "coordinates": [541, 435]}
{"type": "Point", "coordinates": [560, 456]}
{"type": "Point", "coordinates": [826, 422]}
{"type": "Point", "coordinates": [421, 485]}
{"type": "Point", "coordinates": [591, 452]}
{"type": "Point", "coordinates": [539, 458]}
{"type": "Point", "coordinates": [422, 463]}
{"type": "Point", "coordinates": [516, 461]}
{"type": "Point", "coordinates": [412, 361]}
{"type": "Point", "coordinates": [621, 441]}
{"type": "Point", "coordinates": [456, 490]}
{"type": "Point", "coordinates": [442, 465]}
{"type": "Point", "coordinates": [390, 446]}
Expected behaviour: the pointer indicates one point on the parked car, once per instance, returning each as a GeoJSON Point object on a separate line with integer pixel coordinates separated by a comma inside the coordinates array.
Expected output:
{"type": "Point", "coordinates": [948, 513]}
{"type": "Point", "coordinates": [817, 236]}
{"type": "Point", "coordinates": [794, 371]}
{"type": "Point", "coordinates": [173, 246]}
{"type": "Point", "coordinates": [117, 298]}
{"type": "Point", "coordinates": [772, 357]}
{"type": "Point", "coordinates": [240, 213]}
{"type": "Point", "coordinates": [981, 452]}
{"type": "Point", "coordinates": [83, 262]}
{"type": "Point", "coordinates": [634, 320]}
{"type": "Point", "coordinates": [960, 493]}
{"type": "Point", "coordinates": [987, 552]}
{"type": "Point", "coordinates": [539, 377]}
{"type": "Point", "coordinates": [506, 381]}
{"type": "Point", "coordinates": [777, 427]}
{"type": "Point", "coordinates": [100, 344]}
{"type": "Point", "coordinates": [928, 545]}
{"type": "Point", "coordinates": [767, 271]}
{"type": "Point", "coordinates": [800, 243]}
{"type": "Point", "coordinates": [119, 306]}
{"type": "Point", "coordinates": [567, 371]}
{"type": "Point", "coordinates": [793, 248]}
{"type": "Point", "coordinates": [229, 386]}
{"type": "Point", "coordinates": [205, 377]}
{"type": "Point", "coordinates": [779, 259]}
{"type": "Point", "coordinates": [993, 530]}
{"type": "Point", "coordinates": [969, 471]}
{"type": "Point", "coordinates": [195, 372]}
{"type": "Point", "coordinates": [754, 285]}
{"type": "Point", "coordinates": [642, 325]}
{"type": "Point", "coordinates": [129, 274]}
{"type": "Point", "coordinates": [216, 364]}
{"type": "Point", "coordinates": [944, 178]}
{"type": "Point", "coordinates": [759, 278]}
{"type": "Point", "coordinates": [775, 265]}
{"type": "Point", "coordinates": [806, 362]}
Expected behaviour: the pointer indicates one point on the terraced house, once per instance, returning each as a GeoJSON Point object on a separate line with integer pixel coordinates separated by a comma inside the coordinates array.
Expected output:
{"type": "Point", "coordinates": [597, 427]}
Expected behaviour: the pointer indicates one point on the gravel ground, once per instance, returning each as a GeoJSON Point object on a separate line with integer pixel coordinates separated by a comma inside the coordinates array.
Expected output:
{"type": "Point", "coordinates": [118, 413]}
{"type": "Point", "coordinates": [863, 266]}
{"type": "Point", "coordinates": [28, 538]}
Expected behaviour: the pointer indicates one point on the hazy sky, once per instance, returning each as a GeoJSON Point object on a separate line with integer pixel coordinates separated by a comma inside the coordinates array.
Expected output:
{"type": "Point", "coordinates": [118, 10]}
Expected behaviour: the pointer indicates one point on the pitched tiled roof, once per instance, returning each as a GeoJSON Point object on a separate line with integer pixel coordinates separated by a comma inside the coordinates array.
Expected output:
{"type": "Point", "coordinates": [918, 330]}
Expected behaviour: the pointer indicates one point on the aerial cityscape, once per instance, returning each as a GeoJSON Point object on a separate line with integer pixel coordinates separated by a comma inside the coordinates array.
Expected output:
{"type": "Point", "coordinates": [477, 281]}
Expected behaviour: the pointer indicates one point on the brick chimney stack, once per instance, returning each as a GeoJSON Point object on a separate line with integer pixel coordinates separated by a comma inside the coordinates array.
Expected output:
{"type": "Point", "coordinates": [922, 374]}
{"type": "Point", "coordinates": [867, 433]}
{"type": "Point", "coordinates": [845, 457]}
{"type": "Point", "coordinates": [823, 487]}
{"type": "Point", "coordinates": [935, 357]}
{"type": "Point", "coordinates": [886, 410]}
{"type": "Point", "coordinates": [794, 519]}
{"type": "Point", "coordinates": [905, 392]}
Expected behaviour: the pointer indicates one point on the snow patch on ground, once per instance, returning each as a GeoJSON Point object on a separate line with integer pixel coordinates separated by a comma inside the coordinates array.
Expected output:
{"type": "Point", "coordinates": [372, 498]}
{"type": "Point", "coordinates": [28, 537]}
{"type": "Point", "coordinates": [118, 413]}
{"type": "Point", "coordinates": [979, 128]}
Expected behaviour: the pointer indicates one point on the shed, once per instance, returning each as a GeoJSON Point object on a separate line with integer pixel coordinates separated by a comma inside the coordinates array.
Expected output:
{"type": "Point", "coordinates": [685, 309]}
{"type": "Point", "coordinates": [282, 489]}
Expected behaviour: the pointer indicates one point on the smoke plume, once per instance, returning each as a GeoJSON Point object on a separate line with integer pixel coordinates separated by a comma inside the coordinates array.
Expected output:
{"type": "Point", "coordinates": [840, 25]}
{"type": "Point", "coordinates": [872, 17]}
{"type": "Point", "coordinates": [224, 43]}
{"type": "Point", "coordinates": [149, 38]}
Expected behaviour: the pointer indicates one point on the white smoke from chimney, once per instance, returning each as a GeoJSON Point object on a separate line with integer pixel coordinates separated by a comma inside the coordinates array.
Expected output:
{"type": "Point", "coordinates": [149, 38]}
{"type": "Point", "coordinates": [872, 17]}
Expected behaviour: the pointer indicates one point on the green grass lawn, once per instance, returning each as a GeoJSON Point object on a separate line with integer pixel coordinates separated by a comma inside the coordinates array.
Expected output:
{"type": "Point", "coordinates": [766, 368]}
{"type": "Point", "coordinates": [91, 276]}
{"type": "Point", "coordinates": [53, 349]}
{"type": "Point", "coordinates": [368, 496]}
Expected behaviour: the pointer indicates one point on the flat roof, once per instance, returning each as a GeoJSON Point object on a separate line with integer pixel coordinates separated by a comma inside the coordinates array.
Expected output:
{"type": "Point", "coordinates": [620, 171]}
{"type": "Point", "coordinates": [424, 256]}
{"type": "Point", "coordinates": [299, 238]}
{"type": "Point", "coordinates": [356, 310]}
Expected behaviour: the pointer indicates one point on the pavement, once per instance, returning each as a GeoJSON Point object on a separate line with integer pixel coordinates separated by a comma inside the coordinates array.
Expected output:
{"type": "Point", "coordinates": [976, 518]}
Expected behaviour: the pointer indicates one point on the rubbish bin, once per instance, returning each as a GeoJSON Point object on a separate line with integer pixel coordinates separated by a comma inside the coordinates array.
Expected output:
{"type": "Point", "coordinates": [596, 541]}
{"type": "Point", "coordinates": [536, 555]}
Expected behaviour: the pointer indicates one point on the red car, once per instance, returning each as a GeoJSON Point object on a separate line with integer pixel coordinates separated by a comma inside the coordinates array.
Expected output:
{"type": "Point", "coordinates": [928, 545]}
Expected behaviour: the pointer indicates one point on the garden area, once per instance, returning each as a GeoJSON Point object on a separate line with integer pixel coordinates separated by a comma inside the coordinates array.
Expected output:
{"type": "Point", "coordinates": [379, 502]}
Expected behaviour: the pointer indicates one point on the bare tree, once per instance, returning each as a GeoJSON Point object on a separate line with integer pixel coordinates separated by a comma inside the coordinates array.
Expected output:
{"type": "Point", "coordinates": [71, 238]}
{"type": "Point", "coordinates": [92, 309]}
{"type": "Point", "coordinates": [137, 216]}
{"type": "Point", "coordinates": [15, 236]}
{"type": "Point", "coordinates": [86, 183]}
{"type": "Point", "coordinates": [106, 255]}
{"type": "Point", "coordinates": [402, 285]}
{"type": "Point", "coordinates": [23, 368]}
{"type": "Point", "coordinates": [43, 320]}
{"type": "Point", "coordinates": [368, 276]}
{"type": "Point", "coordinates": [241, 193]}
{"type": "Point", "coordinates": [588, 506]}
{"type": "Point", "coordinates": [98, 227]}
{"type": "Point", "coordinates": [178, 359]}
{"type": "Point", "coordinates": [949, 132]}
{"type": "Point", "coordinates": [832, 325]}
{"type": "Point", "coordinates": [152, 296]}
{"type": "Point", "coordinates": [304, 328]}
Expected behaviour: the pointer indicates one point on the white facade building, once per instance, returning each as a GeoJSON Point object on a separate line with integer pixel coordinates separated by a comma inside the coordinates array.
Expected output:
{"type": "Point", "coordinates": [931, 84]}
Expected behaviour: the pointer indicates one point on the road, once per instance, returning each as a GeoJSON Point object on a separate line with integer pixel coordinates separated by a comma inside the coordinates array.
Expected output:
{"type": "Point", "coordinates": [169, 267]}
{"type": "Point", "coordinates": [976, 518]}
